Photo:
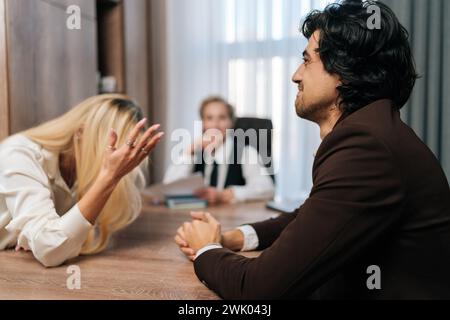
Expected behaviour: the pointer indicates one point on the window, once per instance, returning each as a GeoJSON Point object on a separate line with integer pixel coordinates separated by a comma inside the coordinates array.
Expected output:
{"type": "Point", "coordinates": [247, 51]}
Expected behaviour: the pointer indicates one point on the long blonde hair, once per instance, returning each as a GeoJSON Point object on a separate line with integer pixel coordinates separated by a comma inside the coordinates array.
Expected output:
{"type": "Point", "coordinates": [96, 116]}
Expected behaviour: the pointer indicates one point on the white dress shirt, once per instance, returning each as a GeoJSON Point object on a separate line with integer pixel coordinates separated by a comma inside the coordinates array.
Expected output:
{"type": "Point", "coordinates": [38, 211]}
{"type": "Point", "coordinates": [259, 184]}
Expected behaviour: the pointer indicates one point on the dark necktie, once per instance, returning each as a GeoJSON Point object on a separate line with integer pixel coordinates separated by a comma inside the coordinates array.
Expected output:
{"type": "Point", "coordinates": [214, 174]}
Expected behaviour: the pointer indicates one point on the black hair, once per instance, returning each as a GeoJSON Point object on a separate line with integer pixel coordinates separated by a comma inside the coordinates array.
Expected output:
{"type": "Point", "coordinates": [128, 105]}
{"type": "Point", "coordinates": [372, 63]}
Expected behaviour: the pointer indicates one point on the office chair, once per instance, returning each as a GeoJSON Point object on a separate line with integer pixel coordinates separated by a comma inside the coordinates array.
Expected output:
{"type": "Point", "coordinates": [258, 124]}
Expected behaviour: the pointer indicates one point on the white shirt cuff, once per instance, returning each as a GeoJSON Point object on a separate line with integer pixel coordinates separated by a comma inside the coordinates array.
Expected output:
{"type": "Point", "coordinates": [251, 241]}
{"type": "Point", "coordinates": [207, 248]}
{"type": "Point", "coordinates": [75, 225]}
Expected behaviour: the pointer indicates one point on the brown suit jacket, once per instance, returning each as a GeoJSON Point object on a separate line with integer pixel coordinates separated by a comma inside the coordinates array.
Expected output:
{"type": "Point", "coordinates": [379, 197]}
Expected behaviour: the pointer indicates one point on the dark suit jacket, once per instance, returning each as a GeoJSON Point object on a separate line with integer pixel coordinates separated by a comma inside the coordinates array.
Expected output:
{"type": "Point", "coordinates": [379, 197]}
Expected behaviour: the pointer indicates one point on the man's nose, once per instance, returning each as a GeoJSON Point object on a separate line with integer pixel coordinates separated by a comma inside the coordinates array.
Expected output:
{"type": "Point", "coordinates": [298, 75]}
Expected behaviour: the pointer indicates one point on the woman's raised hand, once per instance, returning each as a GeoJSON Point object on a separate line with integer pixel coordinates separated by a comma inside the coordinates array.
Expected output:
{"type": "Point", "coordinates": [118, 161]}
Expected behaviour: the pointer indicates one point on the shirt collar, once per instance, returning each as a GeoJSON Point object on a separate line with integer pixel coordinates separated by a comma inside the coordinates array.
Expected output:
{"type": "Point", "coordinates": [51, 163]}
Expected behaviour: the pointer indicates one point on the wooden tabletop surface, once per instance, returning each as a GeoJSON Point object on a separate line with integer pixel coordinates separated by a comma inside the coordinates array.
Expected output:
{"type": "Point", "coordinates": [143, 262]}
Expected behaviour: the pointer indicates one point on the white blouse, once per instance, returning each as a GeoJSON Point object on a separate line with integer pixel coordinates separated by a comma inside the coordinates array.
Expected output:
{"type": "Point", "coordinates": [38, 211]}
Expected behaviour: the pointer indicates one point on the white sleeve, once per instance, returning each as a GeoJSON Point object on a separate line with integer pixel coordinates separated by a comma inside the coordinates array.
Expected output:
{"type": "Point", "coordinates": [251, 241]}
{"type": "Point", "coordinates": [28, 196]}
{"type": "Point", "coordinates": [258, 183]}
{"type": "Point", "coordinates": [207, 248]}
{"type": "Point", "coordinates": [182, 168]}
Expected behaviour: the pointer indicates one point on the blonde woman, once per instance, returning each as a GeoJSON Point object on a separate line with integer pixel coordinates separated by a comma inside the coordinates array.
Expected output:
{"type": "Point", "coordinates": [67, 185]}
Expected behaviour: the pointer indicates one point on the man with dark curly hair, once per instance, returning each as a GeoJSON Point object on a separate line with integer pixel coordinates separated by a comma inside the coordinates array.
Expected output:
{"type": "Point", "coordinates": [376, 224]}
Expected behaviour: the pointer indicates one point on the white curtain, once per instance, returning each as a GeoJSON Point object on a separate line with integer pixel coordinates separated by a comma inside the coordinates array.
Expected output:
{"type": "Point", "coordinates": [246, 51]}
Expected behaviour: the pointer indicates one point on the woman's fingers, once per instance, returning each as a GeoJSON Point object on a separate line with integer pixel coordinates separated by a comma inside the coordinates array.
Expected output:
{"type": "Point", "coordinates": [112, 139]}
{"type": "Point", "coordinates": [131, 154]}
{"type": "Point", "coordinates": [135, 133]}
{"type": "Point", "coordinates": [152, 143]}
{"type": "Point", "coordinates": [146, 136]}
{"type": "Point", "coordinates": [144, 151]}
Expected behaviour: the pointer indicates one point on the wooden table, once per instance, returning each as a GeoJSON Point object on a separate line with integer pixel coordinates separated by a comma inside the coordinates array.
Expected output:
{"type": "Point", "coordinates": [142, 263]}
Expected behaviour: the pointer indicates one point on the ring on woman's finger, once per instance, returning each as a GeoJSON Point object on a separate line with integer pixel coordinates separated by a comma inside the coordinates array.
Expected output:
{"type": "Point", "coordinates": [144, 151]}
{"type": "Point", "coordinates": [130, 143]}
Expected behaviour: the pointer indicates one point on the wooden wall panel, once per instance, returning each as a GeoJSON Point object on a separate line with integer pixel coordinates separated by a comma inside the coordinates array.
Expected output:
{"type": "Point", "coordinates": [87, 7]}
{"type": "Point", "coordinates": [124, 47]}
{"type": "Point", "coordinates": [50, 67]}
{"type": "Point", "coordinates": [137, 52]}
{"type": "Point", "coordinates": [158, 81]}
{"type": "Point", "coordinates": [111, 42]}
{"type": "Point", "coordinates": [47, 68]}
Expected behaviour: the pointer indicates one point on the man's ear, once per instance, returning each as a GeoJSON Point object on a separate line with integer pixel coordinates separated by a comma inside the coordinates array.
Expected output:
{"type": "Point", "coordinates": [338, 81]}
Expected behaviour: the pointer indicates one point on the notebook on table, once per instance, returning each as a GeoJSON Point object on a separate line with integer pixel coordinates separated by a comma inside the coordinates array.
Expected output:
{"type": "Point", "coordinates": [186, 202]}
